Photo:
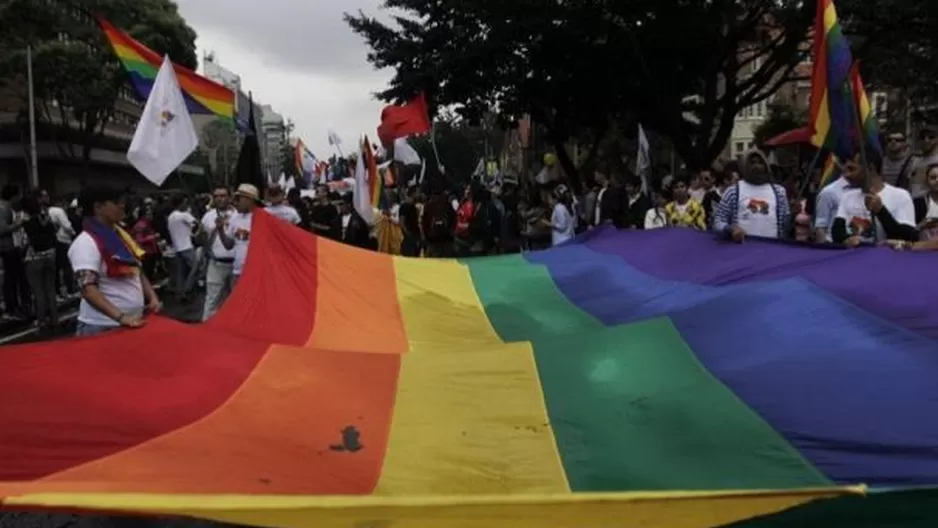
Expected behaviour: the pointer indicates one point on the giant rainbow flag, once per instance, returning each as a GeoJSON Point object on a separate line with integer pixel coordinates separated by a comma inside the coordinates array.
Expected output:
{"type": "Point", "coordinates": [202, 95]}
{"type": "Point", "coordinates": [652, 379]}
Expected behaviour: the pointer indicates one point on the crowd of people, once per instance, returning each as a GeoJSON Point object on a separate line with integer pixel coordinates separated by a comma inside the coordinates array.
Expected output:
{"type": "Point", "coordinates": [110, 248]}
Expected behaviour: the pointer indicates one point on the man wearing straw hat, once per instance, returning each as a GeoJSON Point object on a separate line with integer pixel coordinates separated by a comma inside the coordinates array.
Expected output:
{"type": "Point", "coordinates": [235, 232]}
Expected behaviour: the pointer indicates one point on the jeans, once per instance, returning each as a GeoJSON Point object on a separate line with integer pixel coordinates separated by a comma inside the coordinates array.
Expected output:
{"type": "Point", "coordinates": [185, 271]}
{"type": "Point", "coordinates": [41, 274]}
{"type": "Point", "coordinates": [88, 330]}
{"type": "Point", "coordinates": [218, 284]}
{"type": "Point", "coordinates": [63, 273]}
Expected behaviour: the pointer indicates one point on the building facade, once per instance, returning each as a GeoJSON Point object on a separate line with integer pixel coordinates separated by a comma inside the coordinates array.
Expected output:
{"type": "Point", "coordinates": [272, 139]}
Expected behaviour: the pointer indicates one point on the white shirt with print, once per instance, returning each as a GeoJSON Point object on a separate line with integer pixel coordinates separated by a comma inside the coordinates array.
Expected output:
{"type": "Point", "coordinates": [208, 225]}
{"type": "Point", "coordinates": [239, 229]}
{"type": "Point", "coordinates": [931, 213]}
{"type": "Point", "coordinates": [125, 293]}
{"type": "Point", "coordinates": [758, 210]}
{"type": "Point", "coordinates": [860, 221]}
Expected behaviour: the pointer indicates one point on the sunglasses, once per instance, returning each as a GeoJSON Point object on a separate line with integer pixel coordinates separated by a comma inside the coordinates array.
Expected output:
{"type": "Point", "coordinates": [896, 140]}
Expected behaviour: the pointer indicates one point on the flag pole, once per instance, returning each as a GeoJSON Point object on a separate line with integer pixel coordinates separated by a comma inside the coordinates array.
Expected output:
{"type": "Point", "coordinates": [860, 135]}
{"type": "Point", "coordinates": [33, 157]}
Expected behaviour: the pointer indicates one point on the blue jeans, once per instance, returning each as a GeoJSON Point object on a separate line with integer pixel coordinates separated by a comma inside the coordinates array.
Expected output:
{"type": "Point", "coordinates": [88, 330]}
{"type": "Point", "coordinates": [185, 271]}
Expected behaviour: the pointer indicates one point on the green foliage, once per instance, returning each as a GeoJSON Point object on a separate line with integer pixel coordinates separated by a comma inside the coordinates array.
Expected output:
{"type": "Point", "coordinates": [781, 118]}
{"type": "Point", "coordinates": [896, 42]}
{"type": "Point", "coordinates": [77, 78]}
{"type": "Point", "coordinates": [580, 67]}
{"type": "Point", "coordinates": [683, 69]}
{"type": "Point", "coordinates": [460, 144]}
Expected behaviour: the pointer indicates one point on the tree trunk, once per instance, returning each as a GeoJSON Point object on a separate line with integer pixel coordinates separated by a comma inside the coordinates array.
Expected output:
{"type": "Point", "coordinates": [569, 168]}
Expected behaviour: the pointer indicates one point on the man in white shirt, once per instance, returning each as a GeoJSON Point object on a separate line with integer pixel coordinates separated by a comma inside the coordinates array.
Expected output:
{"type": "Point", "coordinates": [64, 234]}
{"type": "Point", "coordinates": [218, 275]}
{"type": "Point", "coordinates": [235, 234]}
{"type": "Point", "coordinates": [182, 226]}
{"type": "Point", "coordinates": [280, 208]}
{"type": "Point", "coordinates": [872, 211]}
{"type": "Point", "coordinates": [114, 291]}
{"type": "Point", "coordinates": [825, 210]}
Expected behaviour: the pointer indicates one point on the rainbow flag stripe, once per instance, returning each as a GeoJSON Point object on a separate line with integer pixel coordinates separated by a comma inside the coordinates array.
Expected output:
{"type": "Point", "coordinates": [202, 95]}
{"type": "Point", "coordinates": [606, 379]}
{"type": "Point", "coordinates": [868, 122]}
{"type": "Point", "coordinates": [831, 113]}
{"type": "Point", "coordinates": [830, 172]}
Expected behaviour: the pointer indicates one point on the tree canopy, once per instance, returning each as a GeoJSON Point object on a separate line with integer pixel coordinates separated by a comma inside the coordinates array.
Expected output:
{"type": "Point", "coordinates": [683, 68]}
{"type": "Point", "coordinates": [77, 78]}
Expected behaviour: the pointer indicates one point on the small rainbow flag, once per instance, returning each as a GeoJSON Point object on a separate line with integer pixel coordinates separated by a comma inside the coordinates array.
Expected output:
{"type": "Point", "coordinates": [203, 97]}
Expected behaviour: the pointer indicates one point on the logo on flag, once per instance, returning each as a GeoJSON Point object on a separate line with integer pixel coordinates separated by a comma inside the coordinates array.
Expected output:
{"type": "Point", "coordinates": [166, 117]}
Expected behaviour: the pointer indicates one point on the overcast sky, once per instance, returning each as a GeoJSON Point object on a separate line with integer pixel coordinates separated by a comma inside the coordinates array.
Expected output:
{"type": "Point", "coordinates": [298, 56]}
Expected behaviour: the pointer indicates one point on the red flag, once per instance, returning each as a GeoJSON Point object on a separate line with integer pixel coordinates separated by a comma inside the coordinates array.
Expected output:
{"type": "Point", "coordinates": [413, 117]}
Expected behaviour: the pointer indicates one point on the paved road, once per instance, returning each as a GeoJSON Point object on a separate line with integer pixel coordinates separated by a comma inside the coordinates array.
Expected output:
{"type": "Point", "coordinates": [11, 519]}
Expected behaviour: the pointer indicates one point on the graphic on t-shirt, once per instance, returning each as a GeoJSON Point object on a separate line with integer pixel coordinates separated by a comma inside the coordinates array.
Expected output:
{"type": "Point", "coordinates": [861, 227]}
{"type": "Point", "coordinates": [758, 206]}
{"type": "Point", "coordinates": [242, 234]}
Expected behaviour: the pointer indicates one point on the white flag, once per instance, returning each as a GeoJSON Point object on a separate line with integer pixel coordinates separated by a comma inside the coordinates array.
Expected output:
{"type": "Point", "coordinates": [643, 159]}
{"type": "Point", "coordinates": [404, 153]}
{"type": "Point", "coordinates": [361, 200]}
{"type": "Point", "coordinates": [165, 135]}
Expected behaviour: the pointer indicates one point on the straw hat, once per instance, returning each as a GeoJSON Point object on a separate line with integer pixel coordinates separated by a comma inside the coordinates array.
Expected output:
{"type": "Point", "coordinates": [247, 190]}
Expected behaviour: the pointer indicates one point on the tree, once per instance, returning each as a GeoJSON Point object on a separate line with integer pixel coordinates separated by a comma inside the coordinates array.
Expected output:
{"type": "Point", "coordinates": [77, 78]}
{"type": "Point", "coordinates": [580, 67]}
{"type": "Point", "coordinates": [895, 41]}
{"type": "Point", "coordinates": [460, 145]}
{"type": "Point", "coordinates": [781, 118]}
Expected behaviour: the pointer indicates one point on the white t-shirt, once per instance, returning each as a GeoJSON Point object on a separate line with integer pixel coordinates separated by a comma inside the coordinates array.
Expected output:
{"type": "Point", "coordinates": [239, 228]}
{"type": "Point", "coordinates": [564, 225]}
{"type": "Point", "coordinates": [758, 210]}
{"type": "Point", "coordinates": [285, 212]}
{"type": "Point", "coordinates": [64, 231]}
{"type": "Point", "coordinates": [599, 206]}
{"type": "Point", "coordinates": [656, 218]}
{"type": "Point", "coordinates": [346, 220]}
{"type": "Point", "coordinates": [860, 221]}
{"type": "Point", "coordinates": [208, 225]}
{"type": "Point", "coordinates": [180, 225]}
{"type": "Point", "coordinates": [828, 202]}
{"type": "Point", "coordinates": [126, 293]}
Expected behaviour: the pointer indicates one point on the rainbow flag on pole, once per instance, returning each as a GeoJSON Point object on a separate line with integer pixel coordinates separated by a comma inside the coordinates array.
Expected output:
{"type": "Point", "coordinates": [831, 113]}
{"type": "Point", "coordinates": [202, 95]}
{"type": "Point", "coordinates": [869, 126]}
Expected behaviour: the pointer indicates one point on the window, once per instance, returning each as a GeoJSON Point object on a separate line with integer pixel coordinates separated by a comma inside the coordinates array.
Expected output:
{"type": "Point", "coordinates": [739, 148]}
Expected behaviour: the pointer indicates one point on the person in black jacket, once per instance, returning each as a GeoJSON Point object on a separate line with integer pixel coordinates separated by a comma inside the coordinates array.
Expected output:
{"type": "Point", "coordinates": [350, 227]}
{"type": "Point", "coordinates": [879, 213]}
{"type": "Point", "coordinates": [637, 206]}
{"type": "Point", "coordinates": [611, 201]}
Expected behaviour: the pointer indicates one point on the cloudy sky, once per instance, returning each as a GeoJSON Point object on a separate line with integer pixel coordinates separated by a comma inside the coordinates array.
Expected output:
{"type": "Point", "coordinates": [298, 56]}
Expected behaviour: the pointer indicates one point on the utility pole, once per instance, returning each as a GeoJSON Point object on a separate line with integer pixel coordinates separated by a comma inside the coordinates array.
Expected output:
{"type": "Point", "coordinates": [33, 163]}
